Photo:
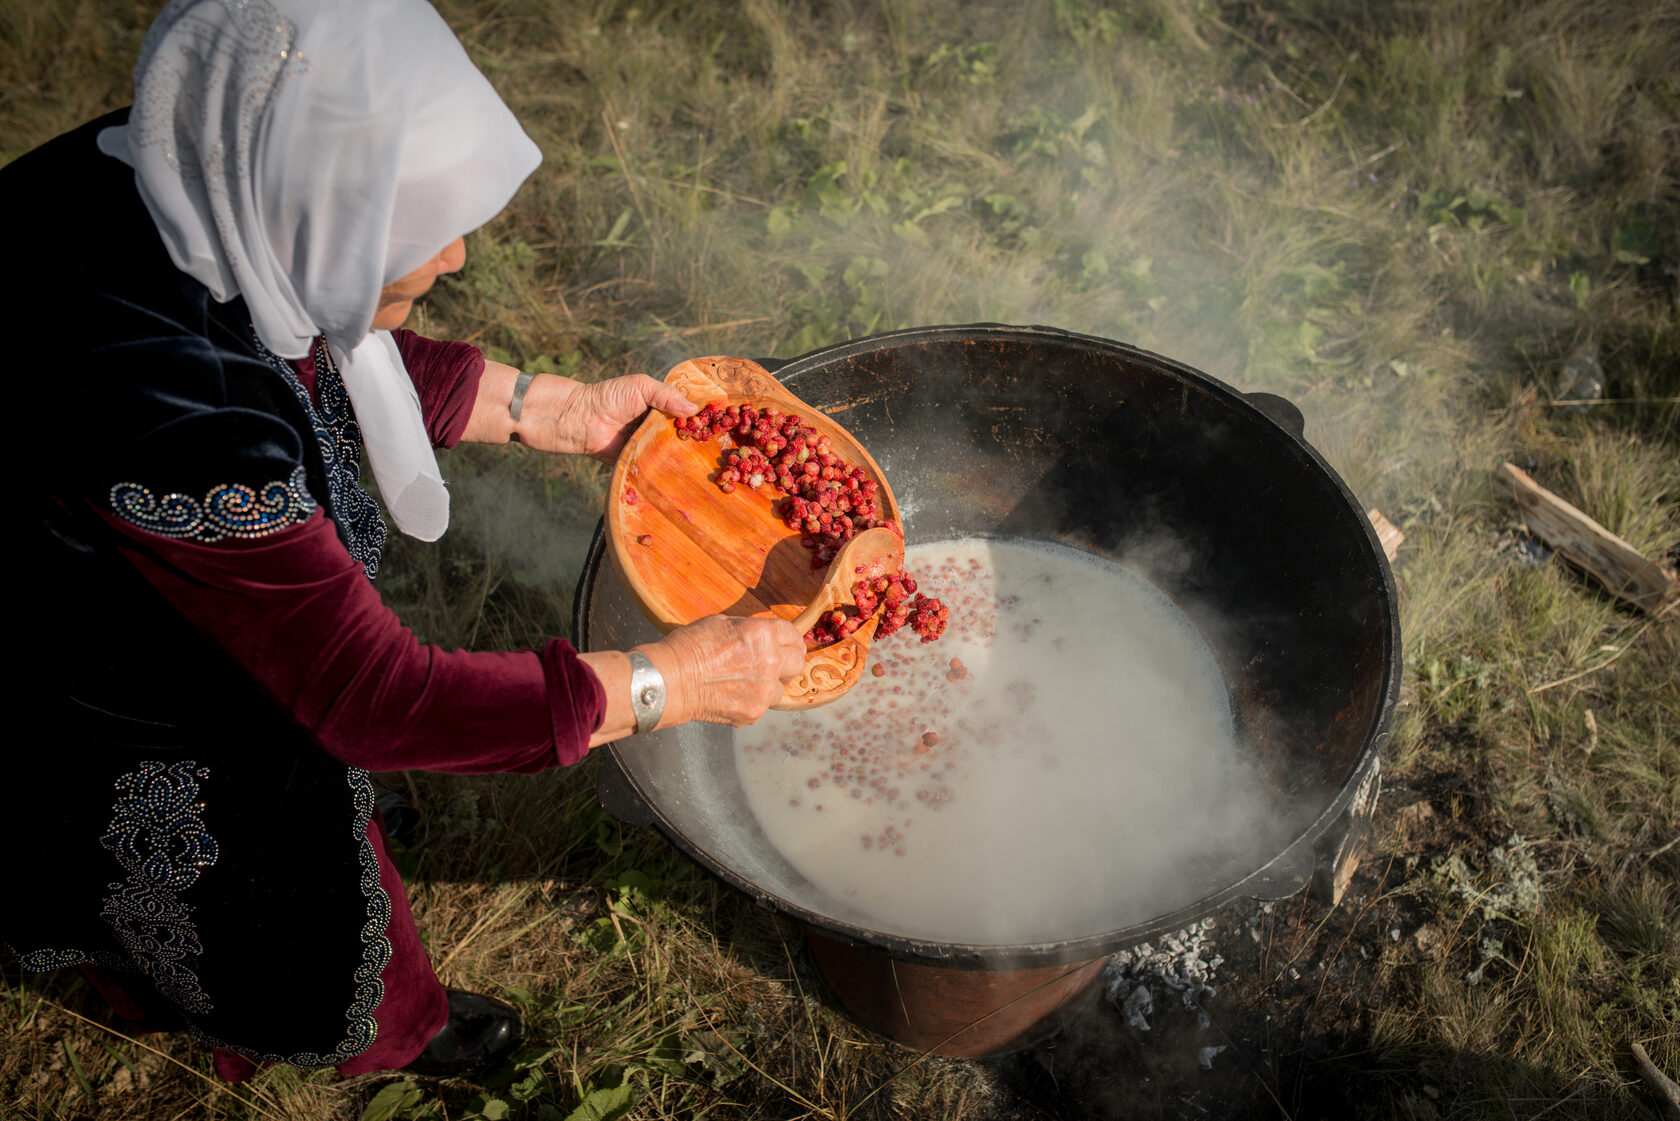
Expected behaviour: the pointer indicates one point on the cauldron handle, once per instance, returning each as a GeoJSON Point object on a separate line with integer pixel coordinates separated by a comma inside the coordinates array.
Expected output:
{"type": "Point", "coordinates": [1326, 864]}
{"type": "Point", "coordinates": [617, 794]}
{"type": "Point", "coordinates": [1280, 409]}
{"type": "Point", "coordinates": [1289, 872]}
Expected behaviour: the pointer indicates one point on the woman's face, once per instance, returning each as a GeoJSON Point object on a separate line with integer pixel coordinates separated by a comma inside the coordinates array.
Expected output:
{"type": "Point", "coordinates": [397, 298]}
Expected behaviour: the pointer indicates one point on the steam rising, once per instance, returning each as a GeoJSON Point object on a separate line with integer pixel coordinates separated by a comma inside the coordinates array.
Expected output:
{"type": "Point", "coordinates": [1085, 774]}
{"type": "Point", "coordinates": [1066, 192]}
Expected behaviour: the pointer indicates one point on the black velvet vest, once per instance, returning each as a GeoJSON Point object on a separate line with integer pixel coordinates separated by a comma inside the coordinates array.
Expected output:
{"type": "Point", "coordinates": [169, 819]}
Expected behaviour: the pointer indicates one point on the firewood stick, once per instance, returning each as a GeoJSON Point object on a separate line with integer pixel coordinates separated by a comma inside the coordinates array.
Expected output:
{"type": "Point", "coordinates": [1662, 1087]}
{"type": "Point", "coordinates": [1388, 534]}
{"type": "Point", "coordinates": [1621, 568]}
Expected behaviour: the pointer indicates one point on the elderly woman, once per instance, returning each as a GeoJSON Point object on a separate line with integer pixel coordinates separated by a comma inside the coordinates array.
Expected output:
{"type": "Point", "coordinates": [205, 343]}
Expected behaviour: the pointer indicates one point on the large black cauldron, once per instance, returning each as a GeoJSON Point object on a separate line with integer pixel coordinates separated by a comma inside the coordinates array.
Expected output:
{"type": "Point", "coordinates": [1037, 433]}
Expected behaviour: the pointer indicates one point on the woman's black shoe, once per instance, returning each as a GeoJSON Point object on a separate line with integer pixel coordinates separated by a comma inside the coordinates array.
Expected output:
{"type": "Point", "coordinates": [480, 1033]}
{"type": "Point", "coordinates": [400, 817]}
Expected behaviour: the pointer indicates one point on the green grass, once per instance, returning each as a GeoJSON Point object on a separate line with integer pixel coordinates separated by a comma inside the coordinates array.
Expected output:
{"type": "Point", "coordinates": [1404, 217]}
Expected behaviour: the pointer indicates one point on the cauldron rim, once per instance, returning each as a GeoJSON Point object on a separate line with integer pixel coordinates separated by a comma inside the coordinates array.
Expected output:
{"type": "Point", "coordinates": [1280, 877]}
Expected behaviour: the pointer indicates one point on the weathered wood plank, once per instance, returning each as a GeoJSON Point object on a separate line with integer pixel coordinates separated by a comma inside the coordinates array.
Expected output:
{"type": "Point", "coordinates": [1623, 570]}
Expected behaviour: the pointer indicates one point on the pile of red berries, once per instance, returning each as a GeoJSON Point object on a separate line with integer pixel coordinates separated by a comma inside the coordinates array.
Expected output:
{"type": "Point", "coordinates": [928, 617]}
{"type": "Point", "coordinates": [924, 615]}
{"type": "Point", "coordinates": [827, 499]}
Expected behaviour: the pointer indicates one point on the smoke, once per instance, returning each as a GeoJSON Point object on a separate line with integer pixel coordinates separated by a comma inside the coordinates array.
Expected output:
{"type": "Point", "coordinates": [1080, 772]}
{"type": "Point", "coordinates": [538, 542]}
{"type": "Point", "coordinates": [503, 576]}
{"type": "Point", "coordinates": [1063, 165]}
{"type": "Point", "coordinates": [1041, 166]}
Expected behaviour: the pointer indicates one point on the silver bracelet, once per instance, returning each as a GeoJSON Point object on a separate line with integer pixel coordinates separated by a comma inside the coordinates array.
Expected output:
{"type": "Point", "coordinates": [520, 385]}
{"type": "Point", "coordinates": [647, 692]}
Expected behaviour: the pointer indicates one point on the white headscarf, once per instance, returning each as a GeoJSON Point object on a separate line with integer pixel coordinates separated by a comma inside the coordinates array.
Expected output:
{"type": "Point", "coordinates": [305, 153]}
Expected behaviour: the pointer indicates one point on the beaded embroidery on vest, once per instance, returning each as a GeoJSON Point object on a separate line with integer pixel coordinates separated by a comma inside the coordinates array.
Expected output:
{"type": "Point", "coordinates": [340, 439]}
{"type": "Point", "coordinates": [361, 1026]}
{"type": "Point", "coordinates": [42, 961]}
{"type": "Point", "coordinates": [228, 510]}
{"type": "Point", "coordinates": [157, 834]}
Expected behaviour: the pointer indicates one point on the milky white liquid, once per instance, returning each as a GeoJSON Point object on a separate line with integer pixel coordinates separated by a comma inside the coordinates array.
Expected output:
{"type": "Point", "coordinates": [1085, 775]}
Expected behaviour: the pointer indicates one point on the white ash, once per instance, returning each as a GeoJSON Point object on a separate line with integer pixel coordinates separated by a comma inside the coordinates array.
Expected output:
{"type": "Point", "coordinates": [1183, 962]}
{"type": "Point", "coordinates": [1518, 548]}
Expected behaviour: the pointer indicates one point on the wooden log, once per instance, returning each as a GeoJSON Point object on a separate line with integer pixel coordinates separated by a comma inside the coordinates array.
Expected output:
{"type": "Point", "coordinates": [1660, 1085]}
{"type": "Point", "coordinates": [1621, 568]}
{"type": "Point", "coordinates": [1341, 848]}
{"type": "Point", "coordinates": [1388, 534]}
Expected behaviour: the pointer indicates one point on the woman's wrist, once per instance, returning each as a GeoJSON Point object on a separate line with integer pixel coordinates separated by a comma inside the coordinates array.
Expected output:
{"type": "Point", "coordinates": [550, 419]}
{"type": "Point", "coordinates": [669, 668]}
{"type": "Point", "coordinates": [546, 403]}
{"type": "Point", "coordinates": [491, 422]}
{"type": "Point", "coordinates": [612, 668]}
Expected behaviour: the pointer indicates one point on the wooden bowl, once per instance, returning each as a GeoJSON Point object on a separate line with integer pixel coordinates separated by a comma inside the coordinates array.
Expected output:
{"type": "Point", "coordinates": [712, 553]}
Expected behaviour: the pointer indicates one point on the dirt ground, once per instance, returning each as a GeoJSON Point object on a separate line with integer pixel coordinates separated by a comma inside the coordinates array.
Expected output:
{"type": "Point", "coordinates": [1293, 1025]}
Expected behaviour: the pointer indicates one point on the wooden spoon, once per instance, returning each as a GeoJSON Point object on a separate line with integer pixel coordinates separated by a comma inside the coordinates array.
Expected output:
{"type": "Point", "coordinates": [874, 552]}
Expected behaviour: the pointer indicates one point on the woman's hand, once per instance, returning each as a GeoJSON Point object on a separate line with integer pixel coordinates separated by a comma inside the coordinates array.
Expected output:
{"type": "Point", "coordinates": [567, 416]}
{"type": "Point", "coordinates": [596, 418]}
{"type": "Point", "coordinates": [721, 670]}
{"type": "Point", "coordinates": [724, 669]}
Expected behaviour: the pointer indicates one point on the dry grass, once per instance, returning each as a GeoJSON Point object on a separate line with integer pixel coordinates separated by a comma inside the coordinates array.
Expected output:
{"type": "Point", "coordinates": [1403, 217]}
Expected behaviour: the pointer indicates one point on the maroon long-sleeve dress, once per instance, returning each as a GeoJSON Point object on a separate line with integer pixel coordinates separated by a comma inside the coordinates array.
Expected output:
{"type": "Point", "coordinates": [215, 667]}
